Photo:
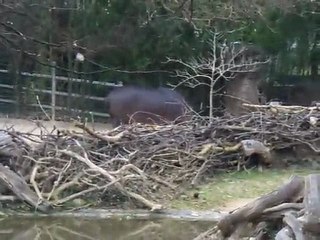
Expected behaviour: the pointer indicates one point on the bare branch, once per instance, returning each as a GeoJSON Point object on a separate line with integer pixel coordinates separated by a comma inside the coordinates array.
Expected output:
{"type": "Point", "coordinates": [225, 61]}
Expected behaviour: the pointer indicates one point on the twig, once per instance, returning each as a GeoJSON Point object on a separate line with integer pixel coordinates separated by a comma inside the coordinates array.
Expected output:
{"type": "Point", "coordinates": [283, 207]}
{"type": "Point", "coordinates": [113, 139]}
{"type": "Point", "coordinates": [33, 181]}
{"type": "Point", "coordinates": [42, 109]}
{"type": "Point", "coordinates": [55, 192]}
{"type": "Point", "coordinates": [76, 195]}
{"type": "Point", "coordinates": [111, 178]}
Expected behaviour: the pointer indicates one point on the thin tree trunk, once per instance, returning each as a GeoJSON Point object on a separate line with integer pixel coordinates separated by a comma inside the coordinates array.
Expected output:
{"type": "Point", "coordinates": [211, 99]}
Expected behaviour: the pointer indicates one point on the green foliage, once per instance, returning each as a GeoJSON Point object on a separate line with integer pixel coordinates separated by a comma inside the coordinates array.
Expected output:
{"type": "Point", "coordinates": [138, 35]}
{"type": "Point", "coordinates": [289, 36]}
{"type": "Point", "coordinates": [137, 41]}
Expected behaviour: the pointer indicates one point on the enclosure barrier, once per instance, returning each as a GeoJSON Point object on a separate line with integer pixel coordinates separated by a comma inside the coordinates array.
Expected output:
{"type": "Point", "coordinates": [54, 93]}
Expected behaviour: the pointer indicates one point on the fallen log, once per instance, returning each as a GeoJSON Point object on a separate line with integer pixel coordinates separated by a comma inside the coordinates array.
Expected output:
{"type": "Point", "coordinates": [307, 226]}
{"type": "Point", "coordinates": [8, 147]}
{"type": "Point", "coordinates": [138, 214]}
{"type": "Point", "coordinates": [21, 189]}
{"type": "Point", "coordinates": [298, 221]}
{"type": "Point", "coordinates": [294, 225]}
{"type": "Point", "coordinates": [311, 219]}
{"type": "Point", "coordinates": [250, 212]}
{"type": "Point", "coordinates": [284, 234]}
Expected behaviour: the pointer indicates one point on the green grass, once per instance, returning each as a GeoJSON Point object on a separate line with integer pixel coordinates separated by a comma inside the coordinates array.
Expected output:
{"type": "Point", "coordinates": [236, 186]}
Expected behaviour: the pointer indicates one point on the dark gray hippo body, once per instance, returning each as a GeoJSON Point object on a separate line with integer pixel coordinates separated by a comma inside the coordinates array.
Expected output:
{"type": "Point", "coordinates": [149, 106]}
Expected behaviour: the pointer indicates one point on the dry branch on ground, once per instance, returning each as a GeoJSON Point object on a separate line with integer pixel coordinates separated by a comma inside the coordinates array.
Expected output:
{"type": "Point", "coordinates": [144, 164]}
{"type": "Point", "coordinates": [291, 212]}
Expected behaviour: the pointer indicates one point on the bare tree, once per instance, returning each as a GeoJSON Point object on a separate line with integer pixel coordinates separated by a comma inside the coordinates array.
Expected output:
{"type": "Point", "coordinates": [224, 62]}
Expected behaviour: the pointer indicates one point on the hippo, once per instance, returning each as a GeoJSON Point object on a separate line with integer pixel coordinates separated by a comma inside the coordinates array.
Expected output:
{"type": "Point", "coordinates": [148, 106]}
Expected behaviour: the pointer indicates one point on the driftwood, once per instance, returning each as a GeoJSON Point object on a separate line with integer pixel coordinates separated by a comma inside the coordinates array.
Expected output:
{"type": "Point", "coordinates": [137, 214]}
{"type": "Point", "coordinates": [295, 226]}
{"type": "Point", "coordinates": [21, 189]}
{"type": "Point", "coordinates": [300, 221]}
{"type": "Point", "coordinates": [9, 150]}
{"type": "Point", "coordinates": [7, 146]}
{"type": "Point", "coordinates": [249, 213]}
{"type": "Point", "coordinates": [284, 234]}
{"type": "Point", "coordinates": [283, 108]}
{"type": "Point", "coordinates": [311, 219]}
{"type": "Point", "coordinates": [143, 166]}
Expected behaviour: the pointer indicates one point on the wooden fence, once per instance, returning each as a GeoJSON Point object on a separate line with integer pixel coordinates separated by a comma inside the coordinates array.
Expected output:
{"type": "Point", "coordinates": [53, 81]}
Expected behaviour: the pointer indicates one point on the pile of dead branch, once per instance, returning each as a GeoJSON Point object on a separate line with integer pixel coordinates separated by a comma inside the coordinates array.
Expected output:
{"type": "Point", "coordinates": [141, 164]}
{"type": "Point", "coordinates": [291, 212]}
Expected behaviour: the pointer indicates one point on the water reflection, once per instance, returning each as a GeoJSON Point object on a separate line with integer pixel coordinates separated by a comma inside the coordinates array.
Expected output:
{"type": "Point", "coordinates": [86, 229]}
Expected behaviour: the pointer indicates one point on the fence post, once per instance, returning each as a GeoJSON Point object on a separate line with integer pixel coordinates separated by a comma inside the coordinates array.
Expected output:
{"type": "Point", "coordinates": [53, 91]}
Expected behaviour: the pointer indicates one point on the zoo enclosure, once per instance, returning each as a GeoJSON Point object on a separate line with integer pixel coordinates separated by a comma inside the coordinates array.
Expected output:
{"type": "Point", "coordinates": [56, 97]}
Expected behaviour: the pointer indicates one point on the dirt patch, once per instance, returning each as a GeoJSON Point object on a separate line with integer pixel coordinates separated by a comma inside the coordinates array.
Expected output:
{"type": "Point", "coordinates": [32, 126]}
{"type": "Point", "coordinates": [234, 204]}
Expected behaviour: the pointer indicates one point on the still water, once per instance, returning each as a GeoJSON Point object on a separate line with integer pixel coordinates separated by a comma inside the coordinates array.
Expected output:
{"type": "Point", "coordinates": [88, 229]}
